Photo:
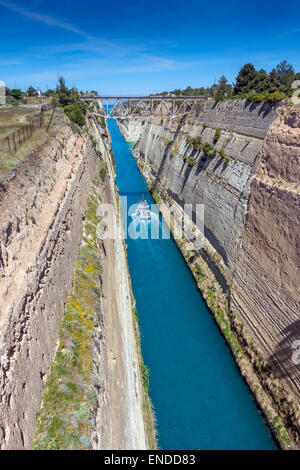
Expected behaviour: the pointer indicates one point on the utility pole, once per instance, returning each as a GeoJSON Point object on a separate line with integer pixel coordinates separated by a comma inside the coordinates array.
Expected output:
{"type": "Point", "coordinates": [51, 117]}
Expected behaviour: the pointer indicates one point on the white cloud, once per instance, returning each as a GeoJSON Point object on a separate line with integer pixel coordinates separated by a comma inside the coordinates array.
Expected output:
{"type": "Point", "coordinates": [46, 19]}
{"type": "Point", "coordinates": [91, 68]}
{"type": "Point", "coordinates": [7, 63]}
{"type": "Point", "coordinates": [113, 49]}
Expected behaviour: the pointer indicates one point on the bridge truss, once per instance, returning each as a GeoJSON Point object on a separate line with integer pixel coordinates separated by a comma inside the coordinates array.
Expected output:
{"type": "Point", "coordinates": [144, 106]}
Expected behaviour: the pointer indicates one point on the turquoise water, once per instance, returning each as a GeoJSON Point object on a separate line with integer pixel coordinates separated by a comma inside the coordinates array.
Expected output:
{"type": "Point", "coordinates": [199, 397]}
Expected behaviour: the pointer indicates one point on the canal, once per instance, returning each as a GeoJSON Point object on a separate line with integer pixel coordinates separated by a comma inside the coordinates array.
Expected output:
{"type": "Point", "coordinates": [199, 397]}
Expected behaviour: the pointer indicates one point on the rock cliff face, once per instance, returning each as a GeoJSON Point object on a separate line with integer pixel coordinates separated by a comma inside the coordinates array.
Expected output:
{"type": "Point", "coordinates": [40, 226]}
{"type": "Point", "coordinates": [265, 289]}
{"type": "Point", "coordinates": [222, 186]}
{"type": "Point", "coordinates": [119, 421]}
{"type": "Point", "coordinates": [132, 128]}
{"type": "Point", "coordinates": [250, 189]}
{"type": "Point", "coordinates": [42, 208]}
{"type": "Point", "coordinates": [97, 330]}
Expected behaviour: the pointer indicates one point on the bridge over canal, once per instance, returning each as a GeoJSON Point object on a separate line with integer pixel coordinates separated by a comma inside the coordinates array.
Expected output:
{"type": "Point", "coordinates": [144, 106]}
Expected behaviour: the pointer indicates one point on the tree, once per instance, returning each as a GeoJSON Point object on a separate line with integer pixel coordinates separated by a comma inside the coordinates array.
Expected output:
{"type": "Point", "coordinates": [221, 90]}
{"type": "Point", "coordinates": [75, 114]}
{"type": "Point", "coordinates": [188, 91]}
{"type": "Point", "coordinates": [63, 93]}
{"type": "Point", "coordinates": [274, 81]}
{"type": "Point", "coordinates": [261, 81]}
{"type": "Point", "coordinates": [229, 90]}
{"type": "Point", "coordinates": [31, 91]}
{"type": "Point", "coordinates": [245, 79]}
{"type": "Point", "coordinates": [16, 93]}
{"type": "Point", "coordinates": [285, 75]}
{"type": "Point", "coordinates": [73, 106]}
{"type": "Point", "coordinates": [213, 90]}
{"type": "Point", "coordinates": [49, 92]}
{"type": "Point", "coordinates": [61, 87]}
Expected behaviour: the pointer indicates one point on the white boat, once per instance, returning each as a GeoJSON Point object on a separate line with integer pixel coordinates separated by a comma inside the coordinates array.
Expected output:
{"type": "Point", "coordinates": [143, 210]}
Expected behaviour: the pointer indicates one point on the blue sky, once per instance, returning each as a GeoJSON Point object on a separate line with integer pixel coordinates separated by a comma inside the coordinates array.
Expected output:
{"type": "Point", "coordinates": [139, 46]}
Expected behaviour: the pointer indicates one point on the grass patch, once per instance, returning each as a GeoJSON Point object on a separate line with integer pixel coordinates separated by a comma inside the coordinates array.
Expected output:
{"type": "Point", "coordinates": [145, 377]}
{"type": "Point", "coordinates": [175, 147]}
{"type": "Point", "coordinates": [156, 197]}
{"type": "Point", "coordinates": [217, 135]}
{"type": "Point", "coordinates": [165, 140]}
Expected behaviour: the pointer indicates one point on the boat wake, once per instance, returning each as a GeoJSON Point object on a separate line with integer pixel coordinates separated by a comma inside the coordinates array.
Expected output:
{"type": "Point", "coordinates": [142, 220]}
{"type": "Point", "coordinates": [143, 212]}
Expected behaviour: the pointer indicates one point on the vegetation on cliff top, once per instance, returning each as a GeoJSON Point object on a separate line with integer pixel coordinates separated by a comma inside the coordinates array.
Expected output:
{"type": "Point", "coordinates": [254, 85]}
{"type": "Point", "coordinates": [70, 100]}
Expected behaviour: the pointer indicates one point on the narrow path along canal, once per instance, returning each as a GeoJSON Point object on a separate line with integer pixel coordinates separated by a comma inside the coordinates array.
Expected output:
{"type": "Point", "coordinates": [200, 399]}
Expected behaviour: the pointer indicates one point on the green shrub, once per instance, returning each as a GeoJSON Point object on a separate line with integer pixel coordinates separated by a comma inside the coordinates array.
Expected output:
{"type": "Point", "coordinates": [190, 161]}
{"type": "Point", "coordinates": [101, 173]}
{"type": "Point", "coordinates": [156, 197]}
{"type": "Point", "coordinates": [165, 139]}
{"type": "Point", "coordinates": [256, 97]}
{"type": "Point", "coordinates": [195, 142]}
{"type": "Point", "coordinates": [102, 122]}
{"type": "Point", "coordinates": [199, 273]}
{"type": "Point", "coordinates": [136, 315]}
{"type": "Point", "coordinates": [217, 135]}
{"type": "Point", "coordinates": [75, 114]}
{"type": "Point", "coordinates": [204, 125]}
{"type": "Point", "coordinates": [222, 153]}
{"type": "Point", "coordinates": [274, 97]}
{"type": "Point", "coordinates": [145, 377]}
{"type": "Point", "coordinates": [209, 149]}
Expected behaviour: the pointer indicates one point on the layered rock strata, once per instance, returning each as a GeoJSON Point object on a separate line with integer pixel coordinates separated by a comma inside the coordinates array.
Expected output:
{"type": "Point", "coordinates": [40, 224]}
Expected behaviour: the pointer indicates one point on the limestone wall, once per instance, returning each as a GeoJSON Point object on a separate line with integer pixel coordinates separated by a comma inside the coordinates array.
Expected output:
{"type": "Point", "coordinates": [41, 209]}
{"type": "Point", "coordinates": [223, 188]}
{"type": "Point", "coordinates": [265, 288]}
